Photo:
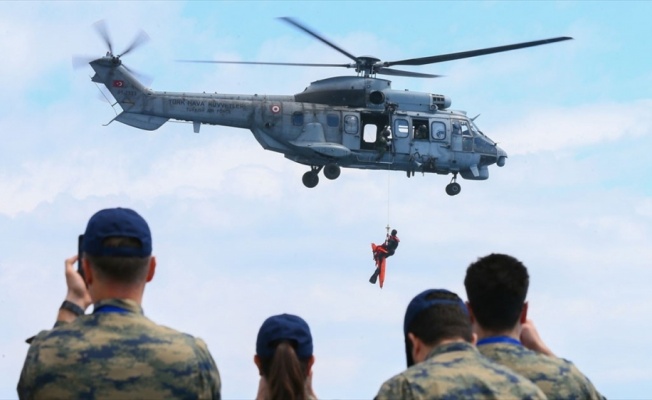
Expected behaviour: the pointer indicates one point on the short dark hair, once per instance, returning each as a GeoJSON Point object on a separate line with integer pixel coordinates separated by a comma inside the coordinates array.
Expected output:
{"type": "Point", "coordinates": [120, 269]}
{"type": "Point", "coordinates": [496, 287]}
{"type": "Point", "coordinates": [442, 321]}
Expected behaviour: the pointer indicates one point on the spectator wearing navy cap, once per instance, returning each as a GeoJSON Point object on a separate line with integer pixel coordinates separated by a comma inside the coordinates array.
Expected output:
{"type": "Point", "coordinates": [284, 359]}
{"type": "Point", "coordinates": [442, 361]}
{"type": "Point", "coordinates": [115, 352]}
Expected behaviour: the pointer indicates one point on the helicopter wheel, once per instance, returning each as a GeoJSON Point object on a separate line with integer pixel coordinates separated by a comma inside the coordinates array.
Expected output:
{"type": "Point", "coordinates": [453, 189]}
{"type": "Point", "coordinates": [310, 179]}
{"type": "Point", "coordinates": [332, 171]}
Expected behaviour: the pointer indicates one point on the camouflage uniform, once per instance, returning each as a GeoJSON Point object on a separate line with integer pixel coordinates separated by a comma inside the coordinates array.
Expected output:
{"type": "Point", "coordinates": [557, 378]}
{"type": "Point", "coordinates": [458, 371]}
{"type": "Point", "coordinates": [115, 354]}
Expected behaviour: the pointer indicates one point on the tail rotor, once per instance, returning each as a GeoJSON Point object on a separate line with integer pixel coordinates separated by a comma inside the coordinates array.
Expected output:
{"type": "Point", "coordinates": [102, 30]}
{"type": "Point", "coordinates": [140, 39]}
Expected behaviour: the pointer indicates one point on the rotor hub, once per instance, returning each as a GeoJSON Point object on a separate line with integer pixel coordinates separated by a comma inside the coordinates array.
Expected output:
{"type": "Point", "coordinates": [366, 64]}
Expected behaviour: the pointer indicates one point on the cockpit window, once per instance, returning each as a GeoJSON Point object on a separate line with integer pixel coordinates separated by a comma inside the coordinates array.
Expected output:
{"type": "Point", "coordinates": [475, 129]}
{"type": "Point", "coordinates": [461, 127]}
{"type": "Point", "coordinates": [465, 129]}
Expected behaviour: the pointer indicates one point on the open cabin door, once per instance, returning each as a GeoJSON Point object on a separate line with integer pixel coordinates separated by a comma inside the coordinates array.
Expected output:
{"type": "Point", "coordinates": [351, 137]}
{"type": "Point", "coordinates": [401, 135]}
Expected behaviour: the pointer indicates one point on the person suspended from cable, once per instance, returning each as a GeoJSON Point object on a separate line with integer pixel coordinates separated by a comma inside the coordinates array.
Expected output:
{"type": "Point", "coordinates": [380, 253]}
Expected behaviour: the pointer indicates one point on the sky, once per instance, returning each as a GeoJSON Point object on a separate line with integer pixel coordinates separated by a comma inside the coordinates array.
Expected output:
{"type": "Point", "coordinates": [239, 238]}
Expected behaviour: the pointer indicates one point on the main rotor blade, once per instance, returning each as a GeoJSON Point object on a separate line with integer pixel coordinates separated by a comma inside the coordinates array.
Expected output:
{"type": "Point", "coordinates": [473, 53]}
{"type": "Point", "coordinates": [140, 39]}
{"type": "Point", "coordinates": [267, 63]}
{"type": "Point", "coordinates": [100, 27]}
{"type": "Point", "coordinates": [319, 37]}
{"type": "Point", "coordinates": [398, 72]}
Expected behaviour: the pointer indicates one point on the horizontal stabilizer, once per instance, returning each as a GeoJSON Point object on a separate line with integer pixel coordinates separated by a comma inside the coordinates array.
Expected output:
{"type": "Point", "coordinates": [325, 148]}
{"type": "Point", "coordinates": [141, 121]}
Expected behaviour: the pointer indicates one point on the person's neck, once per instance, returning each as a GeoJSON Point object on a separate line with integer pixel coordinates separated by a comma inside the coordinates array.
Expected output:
{"type": "Point", "coordinates": [117, 292]}
{"type": "Point", "coordinates": [514, 333]}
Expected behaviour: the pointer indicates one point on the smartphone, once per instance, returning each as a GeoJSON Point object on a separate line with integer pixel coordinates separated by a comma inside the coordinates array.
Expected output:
{"type": "Point", "coordinates": [80, 242]}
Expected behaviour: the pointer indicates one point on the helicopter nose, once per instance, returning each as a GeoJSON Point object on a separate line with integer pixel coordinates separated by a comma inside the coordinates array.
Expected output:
{"type": "Point", "coordinates": [501, 157]}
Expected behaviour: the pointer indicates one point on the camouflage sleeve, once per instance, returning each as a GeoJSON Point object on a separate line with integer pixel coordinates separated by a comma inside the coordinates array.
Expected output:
{"type": "Point", "coordinates": [395, 388]}
{"type": "Point", "coordinates": [211, 384]}
{"type": "Point", "coordinates": [25, 382]}
{"type": "Point", "coordinates": [588, 390]}
{"type": "Point", "coordinates": [23, 387]}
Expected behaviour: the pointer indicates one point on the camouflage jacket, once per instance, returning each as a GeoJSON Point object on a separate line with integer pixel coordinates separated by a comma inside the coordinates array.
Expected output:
{"type": "Point", "coordinates": [557, 378]}
{"type": "Point", "coordinates": [117, 353]}
{"type": "Point", "coordinates": [458, 371]}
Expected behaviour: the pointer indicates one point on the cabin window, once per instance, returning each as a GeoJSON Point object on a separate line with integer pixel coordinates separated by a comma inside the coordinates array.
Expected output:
{"type": "Point", "coordinates": [297, 119]}
{"type": "Point", "coordinates": [369, 133]}
{"type": "Point", "coordinates": [401, 128]}
{"type": "Point", "coordinates": [351, 124]}
{"type": "Point", "coordinates": [333, 120]}
{"type": "Point", "coordinates": [438, 130]}
{"type": "Point", "coordinates": [420, 129]}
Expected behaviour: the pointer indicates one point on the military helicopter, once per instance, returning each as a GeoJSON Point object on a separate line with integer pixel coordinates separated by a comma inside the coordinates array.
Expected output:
{"type": "Point", "coordinates": [344, 121]}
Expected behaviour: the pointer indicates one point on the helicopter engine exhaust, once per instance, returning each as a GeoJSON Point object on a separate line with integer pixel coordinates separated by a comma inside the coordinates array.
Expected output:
{"type": "Point", "coordinates": [377, 97]}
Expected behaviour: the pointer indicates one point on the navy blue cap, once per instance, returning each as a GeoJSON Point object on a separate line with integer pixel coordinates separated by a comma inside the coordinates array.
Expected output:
{"type": "Point", "coordinates": [284, 327]}
{"type": "Point", "coordinates": [117, 222]}
{"type": "Point", "coordinates": [421, 303]}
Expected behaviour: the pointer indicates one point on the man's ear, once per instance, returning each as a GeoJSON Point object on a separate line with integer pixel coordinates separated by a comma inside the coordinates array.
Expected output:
{"type": "Point", "coordinates": [259, 364]}
{"type": "Point", "coordinates": [88, 272]}
{"type": "Point", "coordinates": [151, 268]}
{"type": "Point", "coordinates": [417, 345]}
{"type": "Point", "coordinates": [523, 316]}
{"type": "Point", "coordinates": [471, 316]}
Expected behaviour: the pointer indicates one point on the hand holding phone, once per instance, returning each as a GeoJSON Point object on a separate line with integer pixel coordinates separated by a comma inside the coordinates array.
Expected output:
{"type": "Point", "coordinates": [80, 242]}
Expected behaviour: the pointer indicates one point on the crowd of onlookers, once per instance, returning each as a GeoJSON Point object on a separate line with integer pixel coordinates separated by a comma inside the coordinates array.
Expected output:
{"type": "Point", "coordinates": [485, 348]}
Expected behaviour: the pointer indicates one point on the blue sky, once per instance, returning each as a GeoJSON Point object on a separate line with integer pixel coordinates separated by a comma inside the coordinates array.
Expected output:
{"type": "Point", "coordinates": [238, 237]}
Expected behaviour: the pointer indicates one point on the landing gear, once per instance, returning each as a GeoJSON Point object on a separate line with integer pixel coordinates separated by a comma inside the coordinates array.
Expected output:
{"type": "Point", "coordinates": [453, 188]}
{"type": "Point", "coordinates": [311, 178]}
{"type": "Point", "coordinates": [332, 171]}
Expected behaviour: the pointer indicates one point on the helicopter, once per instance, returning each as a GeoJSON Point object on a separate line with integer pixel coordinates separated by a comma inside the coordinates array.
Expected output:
{"type": "Point", "coordinates": [337, 122]}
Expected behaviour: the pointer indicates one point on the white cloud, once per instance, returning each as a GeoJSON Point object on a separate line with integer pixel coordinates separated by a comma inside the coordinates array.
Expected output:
{"type": "Point", "coordinates": [239, 238]}
{"type": "Point", "coordinates": [553, 129]}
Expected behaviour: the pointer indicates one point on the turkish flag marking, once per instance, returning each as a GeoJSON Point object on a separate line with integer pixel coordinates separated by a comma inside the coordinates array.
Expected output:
{"type": "Point", "coordinates": [117, 83]}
